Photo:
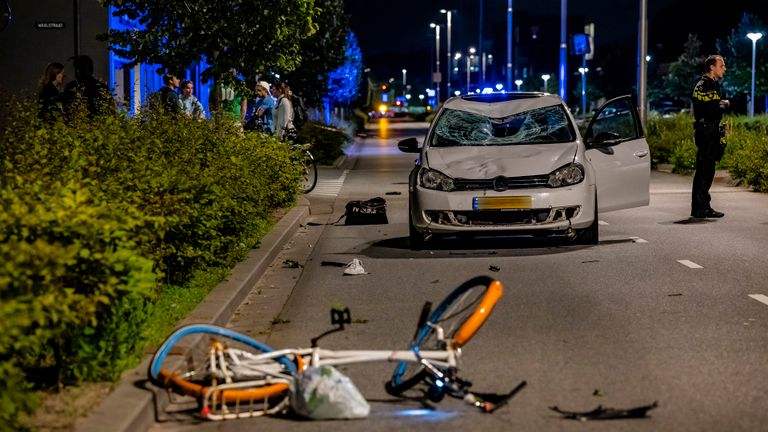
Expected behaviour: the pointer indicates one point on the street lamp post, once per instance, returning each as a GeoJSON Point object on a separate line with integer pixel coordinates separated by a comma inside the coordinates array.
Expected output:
{"type": "Point", "coordinates": [518, 83]}
{"type": "Point", "coordinates": [546, 78]}
{"type": "Point", "coordinates": [509, 44]}
{"type": "Point", "coordinates": [583, 71]}
{"type": "Point", "coordinates": [437, 62]}
{"type": "Point", "coordinates": [404, 71]}
{"type": "Point", "coordinates": [448, 68]}
{"type": "Point", "coordinates": [754, 38]}
{"type": "Point", "coordinates": [470, 57]}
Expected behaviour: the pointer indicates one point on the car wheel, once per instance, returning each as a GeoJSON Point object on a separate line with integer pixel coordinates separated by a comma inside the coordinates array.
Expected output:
{"type": "Point", "coordinates": [591, 235]}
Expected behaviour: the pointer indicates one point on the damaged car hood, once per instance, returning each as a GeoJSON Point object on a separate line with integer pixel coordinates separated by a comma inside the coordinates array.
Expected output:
{"type": "Point", "coordinates": [485, 162]}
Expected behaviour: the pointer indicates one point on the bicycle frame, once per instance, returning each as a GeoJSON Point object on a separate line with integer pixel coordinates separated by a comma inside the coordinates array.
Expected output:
{"type": "Point", "coordinates": [264, 365]}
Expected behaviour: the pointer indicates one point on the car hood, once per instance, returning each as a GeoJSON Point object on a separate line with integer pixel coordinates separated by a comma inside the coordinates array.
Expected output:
{"type": "Point", "coordinates": [485, 162]}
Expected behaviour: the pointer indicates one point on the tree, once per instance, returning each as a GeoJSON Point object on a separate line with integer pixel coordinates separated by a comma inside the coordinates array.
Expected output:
{"type": "Point", "coordinates": [684, 73]}
{"type": "Point", "coordinates": [321, 53]}
{"type": "Point", "coordinates": [737, 52]}
{"type": "Point", "coordinates": [228, 35]}
{"type": "Point", "coordinates": [344, 82]}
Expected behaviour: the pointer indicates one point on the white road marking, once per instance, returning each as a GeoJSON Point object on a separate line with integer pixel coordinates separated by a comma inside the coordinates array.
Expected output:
{"type": "Point", "coordinates": [690, 264]}
{"type": "Point", "coordinates": [639, 240]}
{"type": "Point", "coordinates": [600, 222]}
{"type": "Point", "coordinates": [330, 188]}
{"type": "Point", "coordinates": [761, 298]}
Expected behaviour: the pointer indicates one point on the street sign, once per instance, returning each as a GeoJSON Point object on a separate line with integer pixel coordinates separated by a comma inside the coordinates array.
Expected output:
{"type": "Point", "coordinates": [49, 25]}
{"type": "Point", "coordinates": [589, 29]}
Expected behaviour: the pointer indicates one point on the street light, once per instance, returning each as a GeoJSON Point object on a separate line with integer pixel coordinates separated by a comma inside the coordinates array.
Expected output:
{"type": "Point", "coordinates": [404, 71]}
{"type": "Point", "coordinates": [518, 83]}
{"type": "Point", "coordinates": [546, 78]}
{"type": "Point", "coordinates": [448, 36]}
{"type": "Point", "coordinates": [753, 37]}
{"type": "Point", "coordinates": [583, 71]}
{"type": "Point", "coordinates": [436, 77]}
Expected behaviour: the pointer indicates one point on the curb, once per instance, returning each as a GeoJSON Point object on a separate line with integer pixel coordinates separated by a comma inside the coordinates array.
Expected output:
{"type": "Point", "coordinates": [131, 406]}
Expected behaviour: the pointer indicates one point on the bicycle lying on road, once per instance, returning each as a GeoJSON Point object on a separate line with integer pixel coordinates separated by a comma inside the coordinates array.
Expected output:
{"type": "Point", "coordinates": [234, 376]}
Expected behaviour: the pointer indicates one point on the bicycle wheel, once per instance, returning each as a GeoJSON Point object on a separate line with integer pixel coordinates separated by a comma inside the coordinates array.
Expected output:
{"type": "Point", "coordinates": [309, 179]}
{"type": "Point", "coordinates": [460, 315]}
{"type": "Point", "coordinates": [194, 374]}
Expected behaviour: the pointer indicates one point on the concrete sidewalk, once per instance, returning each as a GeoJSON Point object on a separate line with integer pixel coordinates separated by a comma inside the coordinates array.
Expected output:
{"type": "Point", "coordinates": [131, 406]}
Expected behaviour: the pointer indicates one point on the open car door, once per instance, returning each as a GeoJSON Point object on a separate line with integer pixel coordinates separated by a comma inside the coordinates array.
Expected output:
{"type": "Point", "coordinates": [619, 153]}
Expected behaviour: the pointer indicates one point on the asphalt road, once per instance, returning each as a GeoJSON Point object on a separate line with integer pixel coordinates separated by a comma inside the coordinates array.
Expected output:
{"type": "Point", "coordinates": [661, 310]}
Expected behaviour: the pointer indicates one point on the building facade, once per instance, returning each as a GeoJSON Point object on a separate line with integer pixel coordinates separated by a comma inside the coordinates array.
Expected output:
{"type": "Point", "coordinates": [44, 31]}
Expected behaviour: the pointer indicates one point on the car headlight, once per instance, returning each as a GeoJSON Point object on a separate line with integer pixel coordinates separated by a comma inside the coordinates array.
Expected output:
{"type": "Point", "coordinates": [436, 180]}
{"type": "Point", "coordinates": [566, 176]}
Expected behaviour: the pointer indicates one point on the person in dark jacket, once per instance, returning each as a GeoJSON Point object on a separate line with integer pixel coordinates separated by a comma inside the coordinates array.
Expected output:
{"type": "Point", "coordinates": [50, 93]}
{"type": "Point", "coordinates": [708, 108]}
{"type": "Point", "coordinates": [167, 96]}
{"type": "Point", "coordinates": [87, 89]}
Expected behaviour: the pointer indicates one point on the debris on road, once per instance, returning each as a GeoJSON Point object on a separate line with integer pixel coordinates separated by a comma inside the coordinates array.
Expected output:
{"type": "Point", "coordinates": [355, 267]}
{"type": "Point", "coordinates": [393, 193]}
{"type": "Point", "coordinates": [333, 264]}
{"type": "Point", "coordinates": [602, 413]}
{"type": "Point", "coordinates": [494, 268]}
{"type": "Point", "coordinates": [598, 393]}
{"type": "Point", "coordinates": [675, 295]}
{"type": "Point", "coordinates": [289, 263]}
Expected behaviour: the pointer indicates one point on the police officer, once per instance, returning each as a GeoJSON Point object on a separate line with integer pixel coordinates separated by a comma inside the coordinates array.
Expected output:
{"type": "Point", "coordinates": [708, 108]}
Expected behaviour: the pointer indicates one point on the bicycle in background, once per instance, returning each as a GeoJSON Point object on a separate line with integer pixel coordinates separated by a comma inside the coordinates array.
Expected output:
{"type": "Point", "coordinates": [234, 376]}
{"type": "Point", "coordinates": [306, 159]}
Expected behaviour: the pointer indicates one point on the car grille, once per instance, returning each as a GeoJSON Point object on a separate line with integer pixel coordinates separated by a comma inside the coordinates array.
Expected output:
{"type": "Point", "coordinates": [500, 218]}
{"type": "Point", "coordinates": [512, 183]}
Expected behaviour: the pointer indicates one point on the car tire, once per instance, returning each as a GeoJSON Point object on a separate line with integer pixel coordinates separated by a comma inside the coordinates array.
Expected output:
{"type": "Point", "coordinates": [591, 235]}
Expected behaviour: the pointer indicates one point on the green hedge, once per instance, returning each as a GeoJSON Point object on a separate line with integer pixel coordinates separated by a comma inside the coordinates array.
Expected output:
{"type": "Point", "coordinates": [328, 143]}
{"type": "Point", "coordinates": [99, 217]}
{"type": "Point", "coordinates": [746, 155]}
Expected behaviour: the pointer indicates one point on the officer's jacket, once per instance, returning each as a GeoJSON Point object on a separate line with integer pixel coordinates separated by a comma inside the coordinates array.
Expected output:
{"type": "Point", "coordinates": [706, 101]}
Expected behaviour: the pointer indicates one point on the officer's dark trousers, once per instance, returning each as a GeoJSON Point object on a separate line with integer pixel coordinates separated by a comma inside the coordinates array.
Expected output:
{"type": "Point", "coordinates": [708, 153]}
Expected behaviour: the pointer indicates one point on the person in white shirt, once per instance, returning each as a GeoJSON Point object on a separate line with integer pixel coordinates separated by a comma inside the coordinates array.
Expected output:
{"type": "Point", "coordinates": [284, 119]}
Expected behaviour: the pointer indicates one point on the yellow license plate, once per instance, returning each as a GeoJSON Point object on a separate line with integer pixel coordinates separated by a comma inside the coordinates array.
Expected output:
{"type": "Point", "coordinates": [502, 203]}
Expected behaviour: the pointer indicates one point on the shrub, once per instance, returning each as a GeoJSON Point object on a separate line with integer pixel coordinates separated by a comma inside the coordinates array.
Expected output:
{"type": "Point", "coordinates": [98, 216]}
{"type": "Point", "coordinates": [665, 134]}
{"type": "Point", "coordinates": [327, 142]}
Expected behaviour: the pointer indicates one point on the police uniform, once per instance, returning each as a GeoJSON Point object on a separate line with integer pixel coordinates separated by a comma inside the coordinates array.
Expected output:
{"type": "Point", "coordinates": [707, 113]}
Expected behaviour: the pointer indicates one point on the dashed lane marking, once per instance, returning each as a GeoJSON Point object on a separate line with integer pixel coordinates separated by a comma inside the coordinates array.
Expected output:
{"type": "Point", "coordinates": [330, 188]}
{"type": "Point", "coordinates": [601, 222]}
{"type": "Point", "coordinates": [689, 264]}
{"type": "Point", "coordinates": [761, 298]}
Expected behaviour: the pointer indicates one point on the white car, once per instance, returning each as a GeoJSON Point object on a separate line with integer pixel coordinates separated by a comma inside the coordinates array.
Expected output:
{"type": "Point", "coordinates": [515, 163]}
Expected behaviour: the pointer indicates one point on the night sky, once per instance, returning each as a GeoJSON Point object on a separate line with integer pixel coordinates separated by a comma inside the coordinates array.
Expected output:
{"type": "Point", "coordinates": [395, 34]}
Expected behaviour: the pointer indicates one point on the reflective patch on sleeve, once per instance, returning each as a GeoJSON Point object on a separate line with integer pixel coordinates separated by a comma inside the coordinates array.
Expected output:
{"type": "Point", "coordinates": [703, 96]}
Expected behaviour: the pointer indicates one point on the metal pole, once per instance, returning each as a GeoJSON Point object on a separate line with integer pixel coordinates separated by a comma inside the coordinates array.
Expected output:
{"type": "Point", "coordinates": [642, 69]}
{"type": "Point", "coordinates": [584, 85]}
{"type": "Point", "coordinates": [468, 67]}
{"type": "Point", "coordinates": [448, 69]}
{"type": "Point", "coordinates": [437, 58]}
{"type": "Point", "coordinates": [563, 46]}
{"type": "Point", "coordinates": [752, 99]}
{"type": "Point", "coordinates": [509, 45]}
{"type": "Point", "coordinates": [480, 39]}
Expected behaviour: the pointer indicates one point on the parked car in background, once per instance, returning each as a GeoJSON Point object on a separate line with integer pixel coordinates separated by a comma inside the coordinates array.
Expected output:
{"type": "Point", "coordinates": [515, 163]}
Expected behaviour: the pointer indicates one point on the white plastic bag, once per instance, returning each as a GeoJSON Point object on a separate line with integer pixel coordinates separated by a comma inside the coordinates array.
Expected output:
{"type": "Point", "coordinates": [323, 393]}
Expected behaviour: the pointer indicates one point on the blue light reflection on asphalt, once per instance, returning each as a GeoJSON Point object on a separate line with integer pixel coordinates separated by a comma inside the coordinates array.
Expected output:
{"type": "Point", "coordinates": [429, 415]}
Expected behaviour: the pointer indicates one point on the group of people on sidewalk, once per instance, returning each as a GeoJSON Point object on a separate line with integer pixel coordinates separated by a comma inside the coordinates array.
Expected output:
{"type": "Point", "coordinates": [272, 111]}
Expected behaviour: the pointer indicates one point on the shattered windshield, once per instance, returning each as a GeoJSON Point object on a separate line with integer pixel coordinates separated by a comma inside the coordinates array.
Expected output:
{"type": "Point", "coordinates": [537, 126]}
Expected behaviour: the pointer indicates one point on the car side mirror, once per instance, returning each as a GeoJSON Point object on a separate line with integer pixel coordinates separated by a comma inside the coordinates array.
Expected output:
{"type": "Point", "coordinates": [409, 145]}
{"type": "Point", "coordinates": [604, 139]}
